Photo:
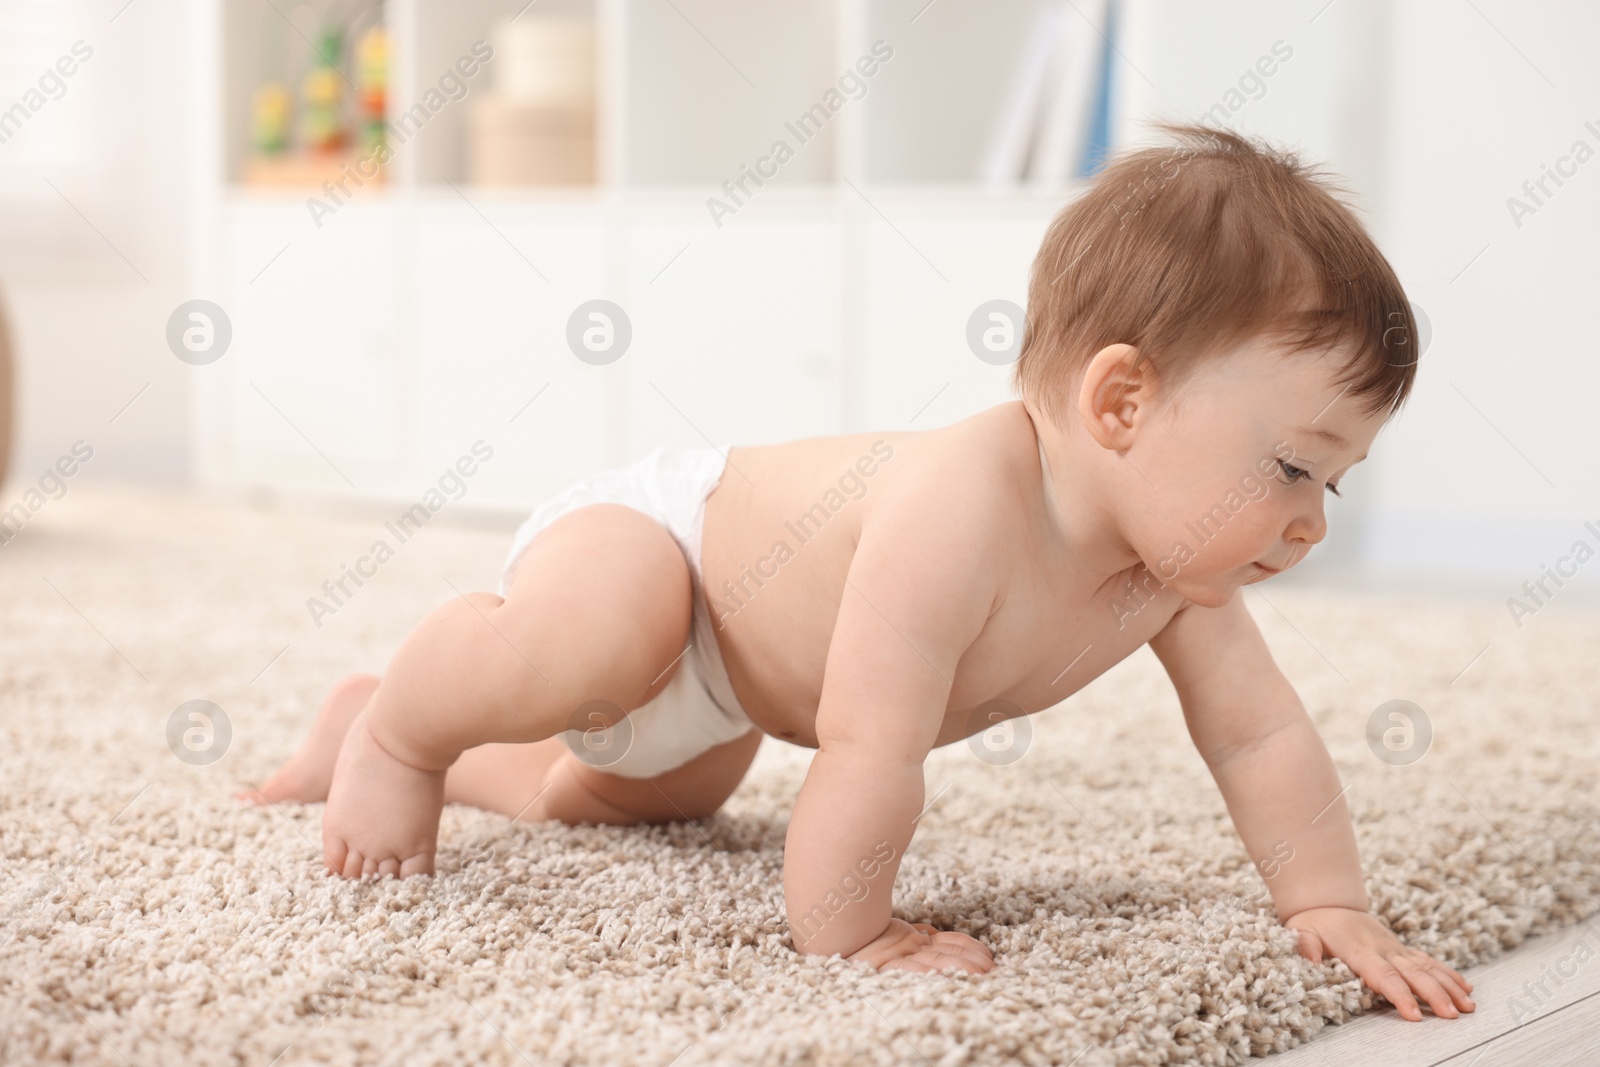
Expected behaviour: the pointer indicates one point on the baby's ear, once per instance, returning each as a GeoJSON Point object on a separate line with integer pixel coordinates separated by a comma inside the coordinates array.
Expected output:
{"type": "Point", "coordinates": [1118, 388]}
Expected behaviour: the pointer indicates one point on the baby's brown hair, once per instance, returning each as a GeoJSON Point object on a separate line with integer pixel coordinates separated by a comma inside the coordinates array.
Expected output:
{"type": "Point", "coordinates": [1182, 251]}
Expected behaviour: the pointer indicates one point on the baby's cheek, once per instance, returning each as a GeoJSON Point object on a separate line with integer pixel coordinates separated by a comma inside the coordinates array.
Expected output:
{"type": "Point", "coordinates": [1220, 547]}
{"type": "Point", "coordinates": [1211, 530]}
{"type": "Point", "coordinates": [1255, 537]}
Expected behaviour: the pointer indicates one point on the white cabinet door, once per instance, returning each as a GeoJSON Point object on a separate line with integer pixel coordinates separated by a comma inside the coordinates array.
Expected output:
{"type": "Point", "coordinates": [928, 266]}
{"type": "Point", "coordinates": [372, 353]}
{"type": "Point", "coordinates": [311, 383]}
{"type": "Point", "coordinates": [485, 311]}
{"type": "Point", "coordinates": [736, 332]}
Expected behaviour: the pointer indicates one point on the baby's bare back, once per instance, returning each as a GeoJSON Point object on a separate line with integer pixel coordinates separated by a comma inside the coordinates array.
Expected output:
{"type": "Point", "coordinates": [781, 531]}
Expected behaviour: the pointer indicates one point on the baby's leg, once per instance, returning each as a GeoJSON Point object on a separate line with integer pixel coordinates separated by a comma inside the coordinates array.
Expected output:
{"type": "Point", "coordinates": [544, 780]}
{"type": "Point", "coordinates": [529, 782]}
{"type": "Point", "coordinates": [599, 610]}
{"type": "Point", "coordinates": [305, 777]}
{"type": "Point", "coordinates": [489, 776]}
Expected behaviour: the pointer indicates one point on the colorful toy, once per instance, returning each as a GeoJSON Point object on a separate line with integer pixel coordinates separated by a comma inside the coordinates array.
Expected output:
{"type": "Point", "coordinates": [269, 118]}
{"type": "Point", "coordinates": [322, 127]}
{"type": "Point", "coordinates": [372, 82]}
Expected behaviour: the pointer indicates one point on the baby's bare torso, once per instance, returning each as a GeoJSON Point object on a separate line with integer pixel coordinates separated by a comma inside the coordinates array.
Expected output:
{"type": "Point", "coordinates": [779, 535]}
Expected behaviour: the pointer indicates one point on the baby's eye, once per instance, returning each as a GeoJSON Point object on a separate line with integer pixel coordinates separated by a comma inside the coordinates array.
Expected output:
{"type": "Point", "coordinates": [1294, 474]}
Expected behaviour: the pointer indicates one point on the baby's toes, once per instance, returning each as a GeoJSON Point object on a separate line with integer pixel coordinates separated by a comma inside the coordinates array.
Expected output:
{"type": "Point", "coordinates": [421, 863]}
{"type": "Point", "coordinates": [354, 864]}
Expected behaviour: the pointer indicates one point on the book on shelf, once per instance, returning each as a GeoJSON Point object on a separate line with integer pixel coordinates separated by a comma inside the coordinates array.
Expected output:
{"type": "Point", "coordinates": [1057, 100]}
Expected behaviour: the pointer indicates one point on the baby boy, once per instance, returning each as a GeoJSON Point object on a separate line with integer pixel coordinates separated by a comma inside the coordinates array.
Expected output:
{"type": "Point", "coordinates": [1212, 342]}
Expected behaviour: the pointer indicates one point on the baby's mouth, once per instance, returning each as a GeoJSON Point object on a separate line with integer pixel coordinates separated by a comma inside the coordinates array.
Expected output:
{"type": "Point", "coordinates": [1258, 573]}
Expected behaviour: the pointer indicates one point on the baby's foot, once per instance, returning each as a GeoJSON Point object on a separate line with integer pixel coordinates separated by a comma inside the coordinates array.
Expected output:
{"type": "Point", "coordinates": [306, 776]}
{"type": "Point", "coordinates": [383, 814]}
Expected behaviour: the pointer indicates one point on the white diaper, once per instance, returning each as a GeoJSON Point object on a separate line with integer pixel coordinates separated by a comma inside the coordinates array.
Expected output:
{"type": "Point", "coordinates": [697, 710]}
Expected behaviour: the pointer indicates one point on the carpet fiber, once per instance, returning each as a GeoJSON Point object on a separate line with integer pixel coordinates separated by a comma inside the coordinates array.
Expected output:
{"type": "Point", "coordinates": [149, 919]}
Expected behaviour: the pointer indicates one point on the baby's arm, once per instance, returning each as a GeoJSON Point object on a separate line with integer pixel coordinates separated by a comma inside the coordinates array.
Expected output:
{"type": "Point", "coordinates": [918, 592]}
{"type": "Point", "coordinates": [1283, 793]}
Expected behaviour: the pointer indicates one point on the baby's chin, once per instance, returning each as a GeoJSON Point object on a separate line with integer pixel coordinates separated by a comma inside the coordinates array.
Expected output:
{"type": "Point", "coordinates": [1213, 590]}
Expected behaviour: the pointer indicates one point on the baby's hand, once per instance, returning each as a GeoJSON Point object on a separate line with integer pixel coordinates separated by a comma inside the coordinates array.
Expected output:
{"type": "Point", "coordinates": [1378, 958]}
{"type": "Point", "coordinates": [919, 947]}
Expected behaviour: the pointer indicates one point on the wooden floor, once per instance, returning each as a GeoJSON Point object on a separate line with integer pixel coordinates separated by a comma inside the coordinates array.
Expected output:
{"type": "Point", "coordinates": [1537, 1007]}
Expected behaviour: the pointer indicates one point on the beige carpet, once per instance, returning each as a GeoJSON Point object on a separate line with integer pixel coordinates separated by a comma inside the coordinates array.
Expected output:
{"type": "Point", "coordinates": [150, 920]}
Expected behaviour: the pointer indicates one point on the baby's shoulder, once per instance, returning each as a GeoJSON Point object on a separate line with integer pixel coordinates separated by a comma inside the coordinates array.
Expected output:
{"type": "Point", "coordinates": [964, 487]}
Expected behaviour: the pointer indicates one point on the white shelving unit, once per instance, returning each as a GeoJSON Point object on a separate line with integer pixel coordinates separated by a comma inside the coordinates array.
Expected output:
{"type": "Point", "coordinates": [372, 350]}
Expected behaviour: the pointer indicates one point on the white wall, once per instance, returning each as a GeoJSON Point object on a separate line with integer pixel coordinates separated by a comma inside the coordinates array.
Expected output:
{"type": "Point", "coordinates": [1473, 118]}
{"type": "Point", "coordinates": [88, 285]}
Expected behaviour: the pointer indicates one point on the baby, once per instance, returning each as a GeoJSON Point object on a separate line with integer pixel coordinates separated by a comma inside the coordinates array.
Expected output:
{"type": "Point", "coordinates": [1212, 342]}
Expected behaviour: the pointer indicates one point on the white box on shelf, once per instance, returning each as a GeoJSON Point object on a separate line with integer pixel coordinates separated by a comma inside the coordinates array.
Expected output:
{"type": "Point", "coordinates": [516, 142]}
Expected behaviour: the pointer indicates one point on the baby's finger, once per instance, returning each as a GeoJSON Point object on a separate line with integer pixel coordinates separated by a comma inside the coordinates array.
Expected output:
{"type": "Point", "coordinates": [906, 963]}
{"type": "Point", "coordinates": [1452, 983]}
{"type": "Point", "coordinates": [979, 954]}
{"type": "Point", "coordinates": [972, 962]}
{"type": "Point", "coordinates": [954, 939]}
{"type": "Point", "coordinates": [943, 960]}
{"type": "Point", "coordinates": [1455, 976]}
{"type": "Point", "coordinates": [1428, 987]}
{"type": "Point", "coordinates": [1386, 981]}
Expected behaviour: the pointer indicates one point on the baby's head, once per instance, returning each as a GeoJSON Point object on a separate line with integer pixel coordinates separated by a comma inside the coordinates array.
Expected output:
{"type": "Point", "coordinates": [1214, 339]}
